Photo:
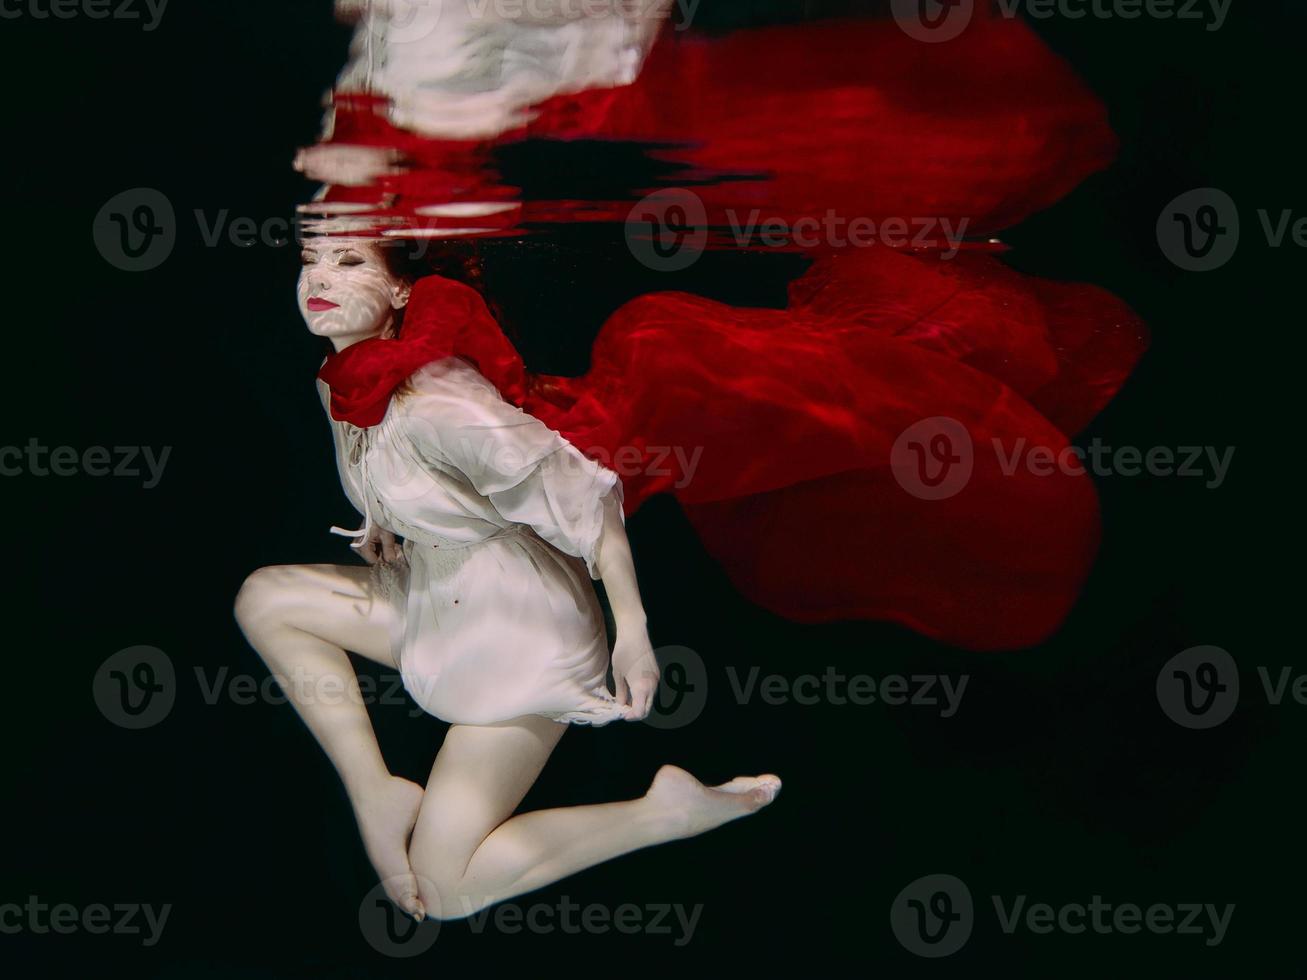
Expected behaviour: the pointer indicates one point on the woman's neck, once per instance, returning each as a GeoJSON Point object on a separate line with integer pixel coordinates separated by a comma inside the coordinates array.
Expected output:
{"type": "Point", "coordinates": [349, 340]}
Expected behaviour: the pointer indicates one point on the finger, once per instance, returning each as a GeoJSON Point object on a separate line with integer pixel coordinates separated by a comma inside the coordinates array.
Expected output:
{"type": "Point", "coordinates": [623, 692]}
{"type": "Point", "coordinates": [632, 710]}
{"type": "Point", "coordinates": [642, 700]}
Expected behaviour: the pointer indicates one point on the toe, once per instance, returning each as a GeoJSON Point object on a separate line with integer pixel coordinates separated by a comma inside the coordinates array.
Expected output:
{"type": "Point", "coordinates": [765, 790]}
{"type": "Point", "coordinates": [402, 889]}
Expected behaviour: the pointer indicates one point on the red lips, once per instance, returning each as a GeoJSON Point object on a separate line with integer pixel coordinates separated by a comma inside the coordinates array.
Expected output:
{"type": "Point", "coordinates": [317, 305]}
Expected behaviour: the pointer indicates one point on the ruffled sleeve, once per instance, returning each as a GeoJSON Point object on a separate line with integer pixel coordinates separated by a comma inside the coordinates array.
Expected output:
{"type": "Point", "coordinates": [528, 472]}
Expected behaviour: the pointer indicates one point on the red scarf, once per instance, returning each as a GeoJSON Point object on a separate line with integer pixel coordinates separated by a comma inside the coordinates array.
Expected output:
{"type": "Point", "coordinates": [443, 318]}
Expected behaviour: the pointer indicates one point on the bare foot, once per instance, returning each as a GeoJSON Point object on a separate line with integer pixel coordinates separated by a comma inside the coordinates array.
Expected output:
{"type": "Point", "coordinates": [695, 808]}
{"type": "Point", "coordinates": [386, 817]}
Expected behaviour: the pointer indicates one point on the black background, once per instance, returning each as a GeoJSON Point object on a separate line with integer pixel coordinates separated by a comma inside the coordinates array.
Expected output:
{"type": "Point", "coordinates": [1059, 778]}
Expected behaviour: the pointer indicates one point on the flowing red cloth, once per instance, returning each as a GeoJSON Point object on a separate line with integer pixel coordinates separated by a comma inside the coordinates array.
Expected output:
{"type": "Point", "coordinates": [786, 435]}
{"type": "Point", "coordinates": [849, 117]}
{"type": "Point", "coordinates": [799, 442]}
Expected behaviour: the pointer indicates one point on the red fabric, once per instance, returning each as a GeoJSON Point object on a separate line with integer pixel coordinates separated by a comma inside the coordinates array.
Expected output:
{"type": "Point", "coordinates": [795, 414]}
{"type": "Point", "coordinates": [850, 116]}
{"type": "Point", "coordinates": [443, 318]}
{"type": "Point", "coordinates": [803, 487]}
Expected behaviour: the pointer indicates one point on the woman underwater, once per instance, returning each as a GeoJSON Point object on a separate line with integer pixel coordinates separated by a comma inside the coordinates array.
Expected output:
{"type": "Point", "coordinates": [857, 453]}
{"type": "Point", "coordinates": [483, 528]}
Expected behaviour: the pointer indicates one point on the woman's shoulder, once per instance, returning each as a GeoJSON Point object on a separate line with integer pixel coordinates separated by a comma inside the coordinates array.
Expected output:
{"type": "Point", "coordinates": [450, 375]}
{"type": "Point", "coordinates": [450, 393]}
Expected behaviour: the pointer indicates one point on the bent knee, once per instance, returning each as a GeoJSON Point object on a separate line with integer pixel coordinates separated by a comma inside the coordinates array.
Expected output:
{"type": "Point", "coordinates": [446, 900]}
{"type": "Point", "coordinates": [441, 887]}
{"type": "Point", "coordinates": [263, 601]}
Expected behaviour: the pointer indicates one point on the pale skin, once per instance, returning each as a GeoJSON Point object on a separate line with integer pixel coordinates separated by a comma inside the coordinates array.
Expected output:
{"type": "Point", "coordinates": [455, 846]}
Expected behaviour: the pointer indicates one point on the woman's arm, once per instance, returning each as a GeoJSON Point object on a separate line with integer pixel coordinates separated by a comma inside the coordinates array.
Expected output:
{"type": "Point", "coordinates": [635, 670]}
{"type": "Point", "coordinates": [532, 475]}
{"type": "Point", "coordinates": [380, 545]}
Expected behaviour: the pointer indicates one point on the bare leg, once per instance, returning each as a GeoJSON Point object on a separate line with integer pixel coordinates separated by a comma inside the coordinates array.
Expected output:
{"type": "Point", "coordinates": [469, 854]}
{"type": "Point", "coordinates": [301, 619]}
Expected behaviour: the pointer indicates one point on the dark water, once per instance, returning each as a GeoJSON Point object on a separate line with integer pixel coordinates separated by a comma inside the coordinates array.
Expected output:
{"type": "Point", "coordinates": [1059, 779]}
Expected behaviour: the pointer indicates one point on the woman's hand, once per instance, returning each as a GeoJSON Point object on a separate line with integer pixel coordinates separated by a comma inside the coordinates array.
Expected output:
{"type": "Point", "coordinates": [635, 671]}
{"type": "Point", "coordinates": [380, 546]}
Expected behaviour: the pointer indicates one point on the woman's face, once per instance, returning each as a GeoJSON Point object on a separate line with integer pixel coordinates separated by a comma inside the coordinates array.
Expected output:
{"type": "Point", "coordinates": [346, 293]}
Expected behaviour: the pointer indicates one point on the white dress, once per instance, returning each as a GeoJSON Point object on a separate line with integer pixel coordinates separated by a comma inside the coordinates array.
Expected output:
{"type": "Point", "coordinates": [501, 518]}
{"type": "Point", "coordinates": [472, 69]}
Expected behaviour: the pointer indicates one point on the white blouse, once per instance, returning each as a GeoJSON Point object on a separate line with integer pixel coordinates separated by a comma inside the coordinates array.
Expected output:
{"type": "Point", "coordinates": [501, 519]}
